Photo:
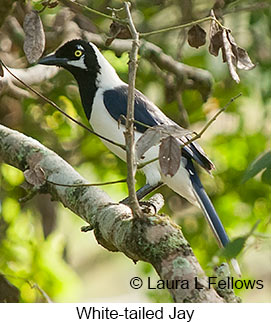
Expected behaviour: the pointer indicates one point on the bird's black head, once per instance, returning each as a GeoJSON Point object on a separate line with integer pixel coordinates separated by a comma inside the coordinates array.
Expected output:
{"type": "Point", "coordinates": [81, 59]}
{"type": "Point", "coordinates": [76, 56]}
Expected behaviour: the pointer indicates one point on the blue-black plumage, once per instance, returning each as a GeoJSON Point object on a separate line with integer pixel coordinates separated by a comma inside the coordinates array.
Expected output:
{"type": "Point", "coordinates": [145, 112]}
{"type": "Point", "coordinates": [104, 98]}
{"type": "Point", "coordinates": [207, 206]}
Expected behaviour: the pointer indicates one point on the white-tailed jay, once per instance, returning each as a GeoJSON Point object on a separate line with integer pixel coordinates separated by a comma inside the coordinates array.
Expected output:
{"type": "Point", "coordinates": [104, 99]}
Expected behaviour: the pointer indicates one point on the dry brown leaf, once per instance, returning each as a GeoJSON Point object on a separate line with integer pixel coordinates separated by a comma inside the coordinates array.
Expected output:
{"type": "Point", "coordinates": [235, 56]}
{"type": "Point", "coordinates": [150, 138]}
{"type": "Point", "coordinates": [117, 30]}
{"type": "Point", "coordinates": [244, 62]}
{"type": "Point", "coordinates": [216, 41]}
{"type": "Point", "coordinates": [154, 135]}
{"type": "Point", "coordinates": [169, 156]}
{"type": "Point", "coordinates": [196, 36]}
{"type": "Point", "coordinates": [34, 42]}
{"type": "Point", "coordinates": [229, 55]}
{"type": "Point", "coordinates": [35, 174]}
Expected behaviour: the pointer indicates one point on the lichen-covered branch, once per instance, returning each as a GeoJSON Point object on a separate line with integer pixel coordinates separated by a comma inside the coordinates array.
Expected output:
{"type": "Point", "coordinates": [152, 238]}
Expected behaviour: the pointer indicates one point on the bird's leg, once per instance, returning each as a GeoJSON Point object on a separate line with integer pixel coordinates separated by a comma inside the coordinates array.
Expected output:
{"type": "Point", "coordinates": [143, 191]}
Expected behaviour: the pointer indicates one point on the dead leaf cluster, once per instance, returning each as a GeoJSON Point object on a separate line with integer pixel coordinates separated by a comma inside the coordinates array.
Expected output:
{"type": "Point", "coordinates": [221, 38]}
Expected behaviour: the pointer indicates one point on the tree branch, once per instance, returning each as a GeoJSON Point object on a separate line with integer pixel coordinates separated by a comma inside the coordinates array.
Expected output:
{"type": "Point", "coordinates": [189, 77]}
{"type": "Point", "coordinates": [154, 239]}
{"type": "Point", "coordinates": [32, 75]}
{"type": "Point", "coordinates": [129, 132]}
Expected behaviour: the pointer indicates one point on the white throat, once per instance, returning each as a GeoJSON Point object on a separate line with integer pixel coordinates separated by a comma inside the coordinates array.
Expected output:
{"type": "Point", "coordinates": [107, 77]}
{"type": "Point", "coordinates": [79, 63]}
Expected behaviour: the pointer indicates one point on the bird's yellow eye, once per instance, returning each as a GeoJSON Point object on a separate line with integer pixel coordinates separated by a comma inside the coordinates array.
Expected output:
{"type": "Point", "coordinates": [78, 53]}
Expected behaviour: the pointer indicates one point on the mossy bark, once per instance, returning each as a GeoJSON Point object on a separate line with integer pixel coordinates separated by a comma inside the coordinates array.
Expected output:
{"type": "Point", "coordinates": [152, 238]}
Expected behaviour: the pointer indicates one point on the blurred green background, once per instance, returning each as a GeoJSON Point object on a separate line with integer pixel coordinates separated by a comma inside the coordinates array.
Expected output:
{"type": "Point", "coordinates": [40, 240]}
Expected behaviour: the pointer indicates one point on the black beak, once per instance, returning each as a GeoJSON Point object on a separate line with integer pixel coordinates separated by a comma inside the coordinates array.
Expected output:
{"type": "Point", "coordinates": [53, 60]}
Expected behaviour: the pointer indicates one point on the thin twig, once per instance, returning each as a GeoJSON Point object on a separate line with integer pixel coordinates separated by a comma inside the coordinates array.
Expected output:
{"type": "Point", "coordinates": [196, 135]}
{"type": "Point", "coordinates": [141, 165]}
{"type": "Point", "coordinates": [134, 121]}
{"type": "Point", "coordinates": [129, 133]}
{"type": "Point", "coordinates": [32, 285]}
{"type": "Point", "coordinates": [83, 184]}
{"type": "Point", "coordinates": [59, 109]}
{"type": "Point", "coordinates": [41, 291]}
{"type": "Point", "coordinates": [189, 24]}
{"type": "Point", "coordinates": [96, 12]}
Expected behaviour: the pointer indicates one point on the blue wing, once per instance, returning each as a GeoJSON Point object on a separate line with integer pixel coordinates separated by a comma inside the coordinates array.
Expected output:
{"type": "Point", "coordinates": [116, 104]}
{"type": "Point", "coordinates": [149, 114]}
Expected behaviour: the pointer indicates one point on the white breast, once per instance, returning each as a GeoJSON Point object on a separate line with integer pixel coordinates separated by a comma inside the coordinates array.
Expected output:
{"type": "Point", "coordinates": [105, 125]}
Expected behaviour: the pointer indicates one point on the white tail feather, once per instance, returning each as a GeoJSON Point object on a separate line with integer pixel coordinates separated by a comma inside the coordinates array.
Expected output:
{"type": "Point", "coordinates": [236, 267]}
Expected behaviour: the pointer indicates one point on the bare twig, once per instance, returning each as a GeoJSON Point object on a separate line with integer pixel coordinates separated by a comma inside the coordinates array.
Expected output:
{"type": "Point", "coordinates": [41, 291]}
{"type": "Point", "coordinates": [73, 4]}
{"type": "Point", "coordinates": [59, 109]}
{"type": "Point", "coordinates": [87, 184]}
{"type": "Point", "coordinates": [32, 285]}
{"type": "Point", "coordinates": [188, 77]}
{"type": "Point", "coordinates": [32, 75]}
{"type": "Point", "coordinates": [189, 24]}
{"type": "Point", "coordinates": [196, 135]}
{"type": "Point", "coordinates": [129, 133]}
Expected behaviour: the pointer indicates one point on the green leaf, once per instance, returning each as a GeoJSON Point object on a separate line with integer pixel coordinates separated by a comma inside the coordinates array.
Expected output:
{"type": "Point", "coordinates": [266, 176]}
{"type": "Point", "coordinates": [12, 175]}
{"type": "Point", "coordinates": [262, 162]}
{"type": "Point", "coordinates": [234, 247]}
